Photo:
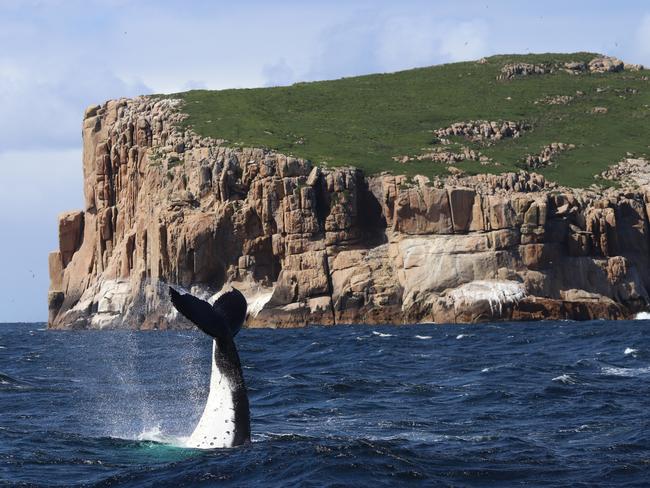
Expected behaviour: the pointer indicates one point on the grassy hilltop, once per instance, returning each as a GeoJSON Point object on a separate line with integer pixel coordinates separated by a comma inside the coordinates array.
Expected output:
{"type": "Point", "coordinates": [365, 121]}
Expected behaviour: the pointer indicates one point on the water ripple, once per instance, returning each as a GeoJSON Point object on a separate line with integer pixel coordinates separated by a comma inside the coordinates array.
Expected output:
{"type": "Point", "coordinates": [553, 404]}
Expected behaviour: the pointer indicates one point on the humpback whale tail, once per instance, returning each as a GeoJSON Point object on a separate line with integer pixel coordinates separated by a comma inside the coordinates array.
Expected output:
{"type": "Point", "coordinates": [226, 418]}
{"type": "Point", "coordinates": [221, 320]}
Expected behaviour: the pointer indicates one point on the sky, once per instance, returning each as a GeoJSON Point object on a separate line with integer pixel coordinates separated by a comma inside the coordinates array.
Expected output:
{"type": "Point", "coordinates": [59, 56]}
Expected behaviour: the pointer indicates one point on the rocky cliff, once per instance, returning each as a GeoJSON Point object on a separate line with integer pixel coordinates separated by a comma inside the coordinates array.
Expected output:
{"type": "Point", "coordinates": [310, 244]}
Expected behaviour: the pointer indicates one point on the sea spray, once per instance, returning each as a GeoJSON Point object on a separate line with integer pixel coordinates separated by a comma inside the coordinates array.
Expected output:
{"type": "Point", "coordinates": [130, 419]}
{"type": "Point", "coordinates": [127, 406]}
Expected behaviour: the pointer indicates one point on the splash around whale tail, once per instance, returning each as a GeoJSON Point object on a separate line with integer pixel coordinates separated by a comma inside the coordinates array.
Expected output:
{"type": "Point", "coordinates": [222, 320]}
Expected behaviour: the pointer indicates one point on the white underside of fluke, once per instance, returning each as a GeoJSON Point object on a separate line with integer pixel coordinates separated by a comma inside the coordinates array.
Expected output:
{"type": "Point", "coordinates": [217, 425]}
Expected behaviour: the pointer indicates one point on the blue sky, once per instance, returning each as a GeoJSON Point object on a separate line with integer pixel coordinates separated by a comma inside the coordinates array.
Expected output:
{"type": "Point", "coordinates": [59, 56]}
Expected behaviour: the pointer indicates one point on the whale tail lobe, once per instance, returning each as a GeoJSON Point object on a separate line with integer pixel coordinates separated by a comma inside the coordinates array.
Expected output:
{"type": "Point", "coordinates": [223, 319]}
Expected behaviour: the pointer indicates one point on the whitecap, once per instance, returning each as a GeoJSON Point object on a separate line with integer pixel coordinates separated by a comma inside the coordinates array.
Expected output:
{"type": "Point", "coordinates": [629, 350]}
{"type": "Point", "coordinates": [642, 316]}
{"type": "Point", "coordinates": [485, 370]}
{"type": "Point", "coordinates": [381, 335]}
{"type": "Point", "coordinates": [566, 379]}
{"type": "Point", "coordinates": [422, 337]}
{"type": "Point", "coordinates": [627, 372]}
{"type": "Point", "coordinates": [582, 428]}
{"type": "Point", "coordinates": [461, 336]}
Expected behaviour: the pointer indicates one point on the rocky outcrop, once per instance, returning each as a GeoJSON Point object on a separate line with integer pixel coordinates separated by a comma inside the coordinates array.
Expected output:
{"type": "Point", "coordinates": [328, 245]}
{"type": "Point", "coordinates": [512, 70]}
{"type": "Point", "coordinates": [443, 156]}
{"type": "Point", "coordinates": [606, 64]}
{"type": "Point", "coordinates": [600, 64]}
{"type": "Point", "coordinates": [634, 172]}
{"type": "Point", "coordinates": [547, 155]}
{"type": "Point", "coordinates": [555, 100]}
{"type": "Point", "coordinates": [483, 131]}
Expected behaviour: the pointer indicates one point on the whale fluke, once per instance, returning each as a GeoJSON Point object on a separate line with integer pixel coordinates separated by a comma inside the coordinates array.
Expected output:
{"type": "Point", "coordinates": [221, 320]}
{"type": "Point", "coordinates": [226, 417]}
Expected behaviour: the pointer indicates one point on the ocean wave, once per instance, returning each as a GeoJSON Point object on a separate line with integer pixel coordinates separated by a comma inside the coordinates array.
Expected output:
{"type": "Point", "coordinates": [5, 379]}
{"type": "Point", "coordinates": [10, 383]}
{"type": "Point", "coordinates": [565, 379]}
{"type": "Point", "coordinates": [422, 337]}
{"type": "Point", "coordinates": [626, 372]}
{"type": "Point", "coordinates": [463, 418]}
{"type": "Point", "coordinates": [629, 350]}
{"type": "Point", "coordinates": [380, 334]}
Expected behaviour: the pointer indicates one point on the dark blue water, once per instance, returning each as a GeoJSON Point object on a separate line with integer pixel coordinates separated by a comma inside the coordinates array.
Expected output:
{"type": "Point", "coordinates": [545, 404]}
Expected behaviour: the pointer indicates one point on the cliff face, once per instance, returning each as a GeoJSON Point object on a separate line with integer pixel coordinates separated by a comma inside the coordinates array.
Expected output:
{"type": "Point", "coordinates": [317, 245]}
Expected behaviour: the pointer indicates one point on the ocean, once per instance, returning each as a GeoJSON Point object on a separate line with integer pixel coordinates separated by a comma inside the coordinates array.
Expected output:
{"type": "Point", "coordinates": [507, 404]}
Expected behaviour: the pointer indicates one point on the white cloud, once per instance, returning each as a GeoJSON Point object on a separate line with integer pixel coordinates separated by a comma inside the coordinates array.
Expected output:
{"type": "Point", "coordinates": [392, 40]}
{"type": "Point", "coordinates": [38, 112]}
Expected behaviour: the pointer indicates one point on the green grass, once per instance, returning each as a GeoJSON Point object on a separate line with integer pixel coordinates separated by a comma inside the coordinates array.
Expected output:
{"type": "Point", "coordinates": [174, 161]}
{"type": "Point", "coordinates": [364, 121]}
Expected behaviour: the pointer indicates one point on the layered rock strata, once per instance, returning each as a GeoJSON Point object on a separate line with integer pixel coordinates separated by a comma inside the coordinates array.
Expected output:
{"type": "Point", "coordinates": [318, 245]}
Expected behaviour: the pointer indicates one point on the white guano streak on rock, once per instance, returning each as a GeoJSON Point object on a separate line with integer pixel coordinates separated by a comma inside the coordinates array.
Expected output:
{"type": "Point", "coordinates": [496, 293]}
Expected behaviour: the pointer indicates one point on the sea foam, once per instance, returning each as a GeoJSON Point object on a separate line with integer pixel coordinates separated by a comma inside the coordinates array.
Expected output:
{"type": "Point", "coordinates": [566, 379]}
{"type": "Point", "coordinates": [627, 372]}
{"type": "Point", "coordinates": [379, 334]}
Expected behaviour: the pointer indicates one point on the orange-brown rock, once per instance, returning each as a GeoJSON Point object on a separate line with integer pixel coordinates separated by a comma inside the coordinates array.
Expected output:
{"type": "Point", "coordinates": [309, 244]}
{"type": "Point", "coordinates": [70, 235]}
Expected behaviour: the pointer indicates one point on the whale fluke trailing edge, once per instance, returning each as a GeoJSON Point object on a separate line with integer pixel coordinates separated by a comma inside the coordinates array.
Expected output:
{"type": "Point", "coordinates": [222, 319]}
{"type": "Point", "coordinates": [226, 418]}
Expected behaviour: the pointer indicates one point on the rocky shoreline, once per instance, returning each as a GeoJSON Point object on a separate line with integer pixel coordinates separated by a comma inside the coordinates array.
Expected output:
{"type": "Point", "coordinates": [317, 245]}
